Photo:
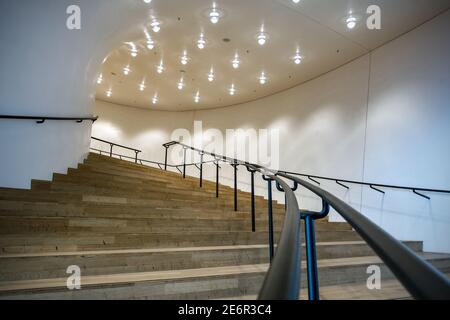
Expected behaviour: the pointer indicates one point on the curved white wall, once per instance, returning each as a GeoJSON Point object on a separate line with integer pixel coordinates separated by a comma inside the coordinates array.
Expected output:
{"type": "Point", "coordinates": [381, 118]}
{"type": "Point", "coordinates": [49, 70]}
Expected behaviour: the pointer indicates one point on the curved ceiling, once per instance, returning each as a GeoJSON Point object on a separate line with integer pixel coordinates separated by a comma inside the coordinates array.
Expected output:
{"type": "Point", "coordinates": [314, 28]}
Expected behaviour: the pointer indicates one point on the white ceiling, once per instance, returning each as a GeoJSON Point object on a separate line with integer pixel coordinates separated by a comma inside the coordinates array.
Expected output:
{"type": "Point", "coordinates": [316, 27]}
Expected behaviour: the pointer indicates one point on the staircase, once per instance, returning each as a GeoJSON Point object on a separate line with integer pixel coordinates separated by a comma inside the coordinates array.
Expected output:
{"type": "Point", "coordinates": [142, 233]}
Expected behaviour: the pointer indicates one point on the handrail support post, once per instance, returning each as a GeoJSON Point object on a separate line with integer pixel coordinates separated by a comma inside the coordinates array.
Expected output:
{"type": "Point", "coordinates": [311, 259]}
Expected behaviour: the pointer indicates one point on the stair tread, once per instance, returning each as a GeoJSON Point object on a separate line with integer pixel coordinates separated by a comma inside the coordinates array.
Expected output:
{"type": "Point", "coordinates": [167, 275]}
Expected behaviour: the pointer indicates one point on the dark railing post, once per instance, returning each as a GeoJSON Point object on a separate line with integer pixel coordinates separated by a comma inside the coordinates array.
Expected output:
{"type": "Point", "coordinates": [217, 179]}
{"type": "Point", "coordinates": [253, 202]}
{"type": "Point", "coordinates": [184, 163]}
{"type": "Point", "coordinates": [235, 165]}
{"type": "Point", "coordinates": [165, 159]}
{"type": "Point", "coordinates": [311, 259]}
{"type": "Point", "coordinates": [270, 211]}
{"type": "Point", "coordinates": [136, 158]}
{"type": "Point", "coordinates": [111, 150]}
{"type": "Point", "coordinates": [201, 169]}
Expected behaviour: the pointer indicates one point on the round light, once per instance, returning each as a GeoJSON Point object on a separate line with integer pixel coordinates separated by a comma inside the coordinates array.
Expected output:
{"type": "Point", "coordinates": [263, 78]}
{"type": "Point", "coordinates": [126, 70]}
{"type": "Point", "coordinates": [147, 1]}
{"type": "Point", "coordinates": [295, 1]}
{"type": "Point", "coordinates": [100, 79]}
{"type": "Point", "coordinates": [298, 58]}
{"type": "Point", "coordinates": [262, 39]}
{"type": "Point", "coordinates": [150, 44]}
{"type": "Point", "coordinates": [201, 44]}
{"type": "Point", "coordinates": [109, 93]}
{"type": "Point", "coordinates": [214, 16]}
{"type": "Point", "coordinates": [351, 22]}
{"type": "Point", "coordinates": [134, 54]}
{"type": "Point", "coordinates": [160, 69]}
{"type": "Point", "coordinates": [156, 26]}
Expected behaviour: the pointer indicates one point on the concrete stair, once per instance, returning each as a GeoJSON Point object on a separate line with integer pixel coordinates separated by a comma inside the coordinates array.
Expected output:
{"type": "Point", "coordinates": [142, 233]}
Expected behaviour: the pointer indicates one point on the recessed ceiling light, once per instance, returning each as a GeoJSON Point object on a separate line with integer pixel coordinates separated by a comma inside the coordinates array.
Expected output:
{"type": "Point", "coordinates": [126, 70]}
{"type": "Point", "coordinates": [297, 58]}
{"type": "Point", "coordinates": [236, 62]}
{"type": "Point", "coordinates": [351, 21]}
{"type": "Point", "coordinates": [263, 78]}
{"type": "Point", "coordinates": [211, 75]}
{"type": "Point", "coordinates": [109, 93]}
{"type": "Point", "coordinates": [100, 79]}
{"type": "Point", "coordinates": [214, 14]}
{"type": "Point", "coordinates": [142, 85]}
{"type": "Point", "coordinates": [150, 44]}
{"type": "Point", "coordinates": [295, 1]}
{"type": "Point", "coordinates": [232, 90]}
{"type": "Point", "coordinates": [133, 49]}
{"type": "Point", "coordinates": [156, 25]}
{"type": "Point", "coordinates": [197, 97]}
{"type": "Point", "coordinates": [262, 37]}
{"type": "Point", "coordinates": [184, 58]}
{"type": "Point", "coordinates": [201, 42]}
{"type": "Point", "coordinates": [181, 84]}
{"type": "Point", "coordinates": [155, 98]}
{"type": "Point", "coordinates": [160, 68]}
{"type": "Point", "coordinates": [147, 1]}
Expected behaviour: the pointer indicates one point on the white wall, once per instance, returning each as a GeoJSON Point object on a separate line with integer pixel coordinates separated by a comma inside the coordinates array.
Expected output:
{"type": "Point", "coordinates": [48, 70]}
{"type": "Point", "coordinates": [381, 118]}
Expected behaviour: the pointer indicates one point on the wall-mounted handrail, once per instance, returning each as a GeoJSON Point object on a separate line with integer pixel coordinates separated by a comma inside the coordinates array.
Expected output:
{"type": "Point", "coordinates": [369, 184]}
{"type": "Point", "coordinates": [42, 119]}
{"type": "Point", "coordinates": [419, 277]}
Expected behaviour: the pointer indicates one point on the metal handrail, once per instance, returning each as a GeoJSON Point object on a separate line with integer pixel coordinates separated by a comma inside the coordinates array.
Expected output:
{"type": "Point", "coordinates": [340, 182]}
{"type": "Point", "coordinates": [41, 120]}
{"type": "Point", "coordinates": [419, 277]}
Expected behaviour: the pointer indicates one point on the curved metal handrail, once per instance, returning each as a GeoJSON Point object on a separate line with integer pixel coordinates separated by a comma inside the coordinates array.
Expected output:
{"type": "Point", "coordinates": [369, 184]}
{"type": "Point", "coordinates": [419, 277]}
{"type": "Point", "coordinates": [41, 120]}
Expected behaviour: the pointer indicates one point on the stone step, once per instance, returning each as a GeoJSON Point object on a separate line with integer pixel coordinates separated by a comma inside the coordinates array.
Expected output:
{"type": "Point", "coordinates": [54, 264]}
{"type": "Point", "coordinates": [12, 225]}
{"type": "Point", "coordinates": [200, 283]}
{"type": "Point", "coordinates": [82, 197]}
{"type": "Point", "coordinates": [71, 241]}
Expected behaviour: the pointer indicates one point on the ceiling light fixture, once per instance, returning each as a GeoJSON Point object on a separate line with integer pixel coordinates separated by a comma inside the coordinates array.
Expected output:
{"type": "Point", "coordinates": [155, 99]}
{"type": "Point", "coordinates": [263, 78]}
{"type": "Point", "coordinates": [109, 93]}
{"type": "Point", "coordinates": [156, 25]}
{"type": "Point", "coordinates": [351, 21]}
{"type": "Point", "coordinates": [181, 84]}
{"type": "Point", "coordinates": [133, 49]}
{"type": "Point", "coordinates": [126, 70]}
{"type": "Point", "coordinates": [297, 58]}
{"type": "Point", "coordinates": [160, 68]}
{"type": "Point", "coordinates": [100, 79]}
{"type": "Point", "coordinates": [236, 62]}
{"type": "Point", "coordinates": [147, 1]}
{"type": "Point", "coordinates": [201, 42]}
{"type": "Point", "coordinates": [150, 44]}
{"type": "Point", "coordinates": [211, 75]}
{"type": "Point", "coordinates": [295, 1]}
{"type": "Point", "coordinates": [142, 85]}
{"type": "Point", "coordinates": [197, 97]}
{"type": "Point", "coordinates": [184, 58]}
{"type": "Point", "coordinates": [232, 90]}
{"type": "Point", "coordinates": [262, 37]}
{"type": "Point", "coordinates": [214, 14]}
